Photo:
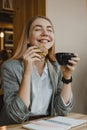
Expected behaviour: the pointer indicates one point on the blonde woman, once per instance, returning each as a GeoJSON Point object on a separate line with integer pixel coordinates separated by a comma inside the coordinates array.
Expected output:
{"type": "Point", "coordinates": [33, 85]}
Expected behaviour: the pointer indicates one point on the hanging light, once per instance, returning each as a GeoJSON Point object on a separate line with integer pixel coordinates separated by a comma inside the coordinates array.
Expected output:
{"type": "Point", "coordinates": [2, 34]}
{"type": "Point", "coordinates": [2, 39]}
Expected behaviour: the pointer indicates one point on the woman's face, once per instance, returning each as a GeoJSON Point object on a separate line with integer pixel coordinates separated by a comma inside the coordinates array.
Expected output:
{"type": "Point", "coordinates": [41, 32]}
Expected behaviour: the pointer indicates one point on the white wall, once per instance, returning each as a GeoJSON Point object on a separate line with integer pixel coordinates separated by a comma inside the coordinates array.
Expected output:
{"type": "Point", "coordinates": [69, 18]}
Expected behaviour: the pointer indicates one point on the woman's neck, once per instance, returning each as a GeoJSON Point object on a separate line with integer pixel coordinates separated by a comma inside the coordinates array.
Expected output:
{"type": "Point", "coordinates": [40, 66]}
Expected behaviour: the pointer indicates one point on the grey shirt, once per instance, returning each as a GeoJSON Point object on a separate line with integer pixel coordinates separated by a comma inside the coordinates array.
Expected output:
{"type": "Point", "coordinates": [12, 71]}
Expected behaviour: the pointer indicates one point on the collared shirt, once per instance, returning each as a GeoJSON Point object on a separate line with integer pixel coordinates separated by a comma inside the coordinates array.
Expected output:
{"type": "Point", "coordinates": [41, 91]}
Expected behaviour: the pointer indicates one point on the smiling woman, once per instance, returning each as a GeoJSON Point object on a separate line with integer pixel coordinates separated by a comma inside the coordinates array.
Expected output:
{"type": "Point", "coordinates": [33, 87]}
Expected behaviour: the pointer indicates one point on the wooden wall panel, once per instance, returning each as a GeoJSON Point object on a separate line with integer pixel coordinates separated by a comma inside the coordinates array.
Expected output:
{"type": "Point", "coordinates": [24, 10]}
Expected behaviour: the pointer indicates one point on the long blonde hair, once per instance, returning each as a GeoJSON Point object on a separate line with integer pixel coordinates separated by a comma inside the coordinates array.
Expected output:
{"type": "Point", "coordinates": [22, 46]}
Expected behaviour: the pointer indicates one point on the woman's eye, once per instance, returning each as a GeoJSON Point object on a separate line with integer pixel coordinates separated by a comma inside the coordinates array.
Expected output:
{"type": "Point", "coordinates": [37, 29]}
{"type": "Point", "coordinates": [50, 30]}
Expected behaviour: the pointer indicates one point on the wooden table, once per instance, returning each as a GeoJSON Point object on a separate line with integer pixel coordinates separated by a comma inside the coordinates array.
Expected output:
{"type": "Point", "coordinates": [72, 115]}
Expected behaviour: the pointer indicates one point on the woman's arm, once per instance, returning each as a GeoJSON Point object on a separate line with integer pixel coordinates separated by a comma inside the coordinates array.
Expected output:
{"type": "Point", "coordinates": [67, 75]}
{"type": "Point", "coordinates": [16, 108]}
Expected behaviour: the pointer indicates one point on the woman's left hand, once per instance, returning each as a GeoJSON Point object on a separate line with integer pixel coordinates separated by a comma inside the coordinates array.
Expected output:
{"type": "Point", "coordinates": [68, 69]}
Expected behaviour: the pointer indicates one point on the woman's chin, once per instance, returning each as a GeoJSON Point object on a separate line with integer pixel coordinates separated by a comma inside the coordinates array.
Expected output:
{"type": "Point", "coordinates": [48, 45]}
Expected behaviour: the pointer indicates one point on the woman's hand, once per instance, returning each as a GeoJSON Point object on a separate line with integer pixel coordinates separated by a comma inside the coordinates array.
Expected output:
{"type": "Point", "coordinates": [68, 69]}
{"type": "Point", "coordinates": [29, 58]}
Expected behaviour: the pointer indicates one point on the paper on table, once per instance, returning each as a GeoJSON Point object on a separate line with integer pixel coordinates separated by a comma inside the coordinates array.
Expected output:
{"type": "Point", "coordinates": [59, 122]}
{"type": "Point", "coordinates": [67, 121]}
{"type": "Point", "coordinates": [45, 125]}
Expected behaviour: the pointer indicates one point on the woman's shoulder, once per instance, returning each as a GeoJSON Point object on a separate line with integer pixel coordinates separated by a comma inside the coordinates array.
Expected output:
{"type": "Point", "coordinates": [12, 63]}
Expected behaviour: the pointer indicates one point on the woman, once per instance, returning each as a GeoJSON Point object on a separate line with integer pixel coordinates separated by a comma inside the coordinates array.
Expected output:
{"type": "Point", "coordinates": [33, 85]}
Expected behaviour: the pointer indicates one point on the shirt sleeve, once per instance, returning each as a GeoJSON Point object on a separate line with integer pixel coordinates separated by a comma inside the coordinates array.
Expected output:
{"type": "Point", "coordinates": [61, 108]}
{"type": "Point", "coordinates": [69, 101]}
{"type": "Point", "coordinates": [11, 80]}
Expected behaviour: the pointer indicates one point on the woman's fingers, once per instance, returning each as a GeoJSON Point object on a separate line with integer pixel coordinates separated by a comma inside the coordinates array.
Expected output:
{"type": "Point", "coordinates": [32, 52]}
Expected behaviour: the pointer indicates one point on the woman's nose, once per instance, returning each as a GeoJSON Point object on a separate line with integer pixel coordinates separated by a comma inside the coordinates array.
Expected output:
{"type": "Point", "coordinates": [45, 32]}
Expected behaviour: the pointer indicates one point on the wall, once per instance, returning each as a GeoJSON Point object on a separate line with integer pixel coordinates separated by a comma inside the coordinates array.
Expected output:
{"type": "Point", "coordinates": [70, 23]}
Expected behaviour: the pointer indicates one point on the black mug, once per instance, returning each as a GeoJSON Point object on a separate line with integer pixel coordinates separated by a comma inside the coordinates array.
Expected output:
{"type": "Point", "coordinates": [63, 57]}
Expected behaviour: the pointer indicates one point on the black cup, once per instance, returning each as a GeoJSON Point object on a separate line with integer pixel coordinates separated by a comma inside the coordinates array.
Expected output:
{"type": "Point", "coordinates": [63, 57]}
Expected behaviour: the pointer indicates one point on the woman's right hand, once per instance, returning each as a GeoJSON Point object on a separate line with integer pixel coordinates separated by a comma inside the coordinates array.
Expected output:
{"type": "Point", "coordinates": [29, 58]}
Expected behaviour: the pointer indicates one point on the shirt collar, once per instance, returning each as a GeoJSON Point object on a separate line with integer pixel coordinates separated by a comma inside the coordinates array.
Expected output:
{"type": "Point", "coordinates": [46, 69]}
{"type": "Point", "coordinates": [35, 72]}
